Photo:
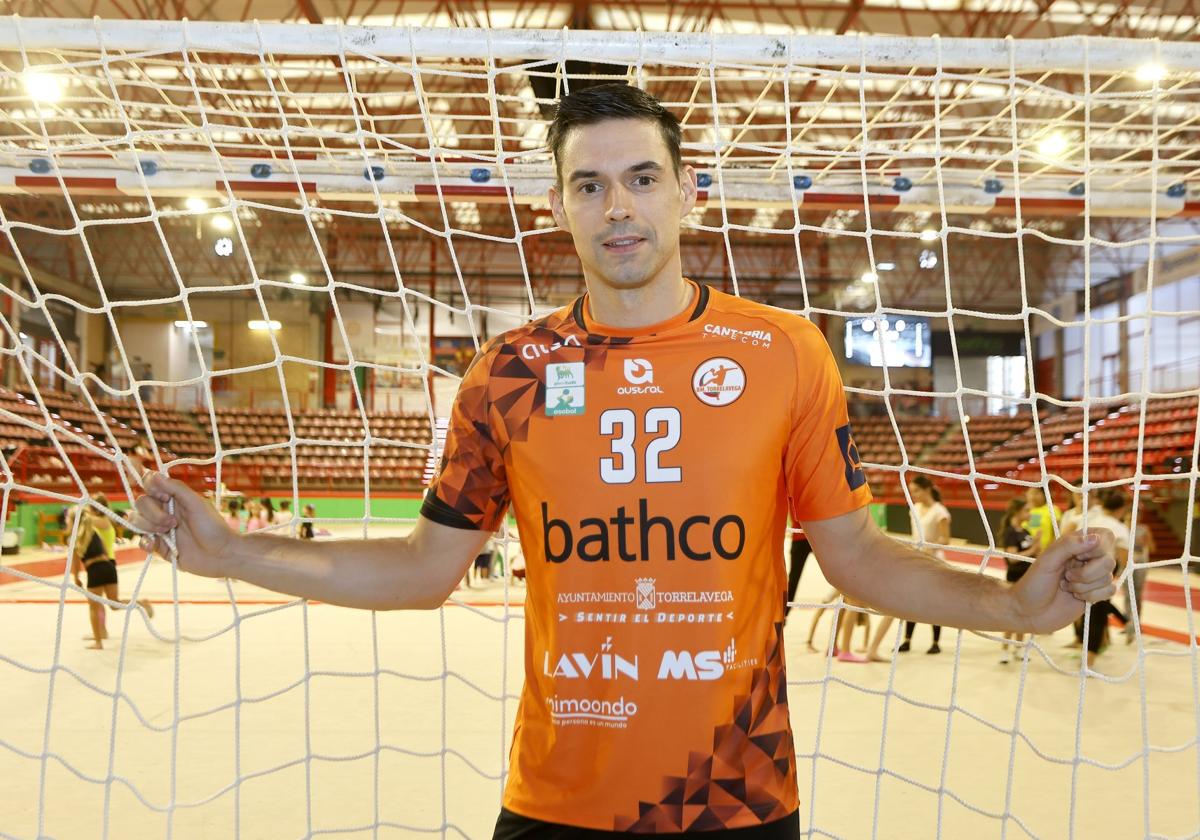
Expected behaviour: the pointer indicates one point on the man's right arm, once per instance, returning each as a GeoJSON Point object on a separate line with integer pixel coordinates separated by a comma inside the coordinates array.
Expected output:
{"type": "Point", "coordinates": [418, 571]}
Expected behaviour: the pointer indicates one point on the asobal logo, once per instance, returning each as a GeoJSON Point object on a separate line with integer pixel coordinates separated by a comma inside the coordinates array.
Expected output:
{"type": "Point", "coordinates": [603, 664]}
{"type": "Point", "coordinates": [718, 381]}
{"type": "Point", "coordinates": [638, 371]}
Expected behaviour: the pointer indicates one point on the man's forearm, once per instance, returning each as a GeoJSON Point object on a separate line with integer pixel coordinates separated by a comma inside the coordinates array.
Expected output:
{"type": "Point", "coordinates": [375, 574]}
{"type": "Point", "coordinates": [898, 579]}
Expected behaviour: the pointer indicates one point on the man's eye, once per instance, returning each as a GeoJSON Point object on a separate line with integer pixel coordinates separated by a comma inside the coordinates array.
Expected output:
{"type": "Point", "coordinates": [644, 180]}
{"type": "Point", "coordinates": [589, 188]}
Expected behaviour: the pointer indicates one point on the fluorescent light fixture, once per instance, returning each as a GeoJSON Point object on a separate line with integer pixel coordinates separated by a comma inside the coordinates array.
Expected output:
{"type": "Point", "coordinates": [298, 278]}
{"type": "Point", "coordinates": [885, 266]}
{"type": "Point", "coordinates": [900, 325]}
{"type": "Point", "coordinates": [929, 235]}
{"type": "Point", "coordinates": [1150, 73]}
{"type": "Point", "coordinates": [264, 325]}
{"type": "Point", "coordinates": [1053, 145]}
{"type": "Point", "coordinates": [43, 87]}
{"type": "Point", "coordinates": [388, 329]}
{"type": "Point", "coordinates": [222, 223]}
{"type": "Point", "coordinates": [194, 325]}
{"type": "Point", "coordinates": [196, 204]}
{"type": "Point", "coordinates": [869, 277]}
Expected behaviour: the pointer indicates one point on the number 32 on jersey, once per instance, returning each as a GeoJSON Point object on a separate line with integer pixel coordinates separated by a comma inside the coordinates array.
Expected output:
{"type": "Point", "coordinates": [621, 425]}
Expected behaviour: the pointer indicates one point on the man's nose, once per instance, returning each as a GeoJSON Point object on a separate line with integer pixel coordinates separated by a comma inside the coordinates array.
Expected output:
{"type": "Point", "coordinates": [618, 207]}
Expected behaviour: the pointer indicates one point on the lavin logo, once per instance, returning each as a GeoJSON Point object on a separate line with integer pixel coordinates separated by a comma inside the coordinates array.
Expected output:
{"type": "Point", "coordinates": [604, 664]}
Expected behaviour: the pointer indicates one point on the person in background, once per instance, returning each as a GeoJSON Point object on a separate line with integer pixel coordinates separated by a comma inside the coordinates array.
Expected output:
{"type": "Point", "coordinates": [1143, 548]}
{"type": "Point", "coordinates": [1014, 539]}
{"type": "Point", "coordinates": [88, 554]}
{"type": "Point", "coordinates": [268, 511]}
{"type": "Point", "coordinates": [254, 516]}
{"type": "Point", "coordinates": [933, 522]}
{"type": "Point", "coordinates": [306, 527]}
{"type": "Point", "coordinates": [233, 515]}
{"type": "Point", "coordinates": [284, 516]}
{"type": "Point", "coordinates": [1042, 517]}
{"type": "Point", "coordinates": [800, 549]}
{"type": "Point", "coordinates": [849, 618]}
{"type": "Point", "coordinates": [1108, 516]}
{"type": "Point", "coordinates": [1072, 520]}
{"type": "Point", "coordinates": [104, 526]}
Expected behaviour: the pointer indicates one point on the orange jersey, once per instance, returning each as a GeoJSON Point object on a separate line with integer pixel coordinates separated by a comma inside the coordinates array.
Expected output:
{"type": "Point", "coordinates": [651, 473]}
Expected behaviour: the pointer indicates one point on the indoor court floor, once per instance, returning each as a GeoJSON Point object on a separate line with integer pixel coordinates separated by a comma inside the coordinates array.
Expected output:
{"type": "Point", "coordinates": [273, 719]}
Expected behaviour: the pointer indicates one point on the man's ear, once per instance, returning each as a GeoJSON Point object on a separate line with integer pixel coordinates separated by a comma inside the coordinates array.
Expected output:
{"type": "Point", "coordinates": [687, 191]}
{"type": "Point", "coordinates": [556, 208]}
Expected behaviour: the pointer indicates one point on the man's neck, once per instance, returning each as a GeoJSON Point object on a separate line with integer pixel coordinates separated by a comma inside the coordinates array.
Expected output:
{"type": "Point", "coordinates": [627, 308]}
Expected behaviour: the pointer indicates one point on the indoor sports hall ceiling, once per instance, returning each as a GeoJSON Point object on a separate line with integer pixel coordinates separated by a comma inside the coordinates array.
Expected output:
{"type": "Point", "coordinates": [133, 250]}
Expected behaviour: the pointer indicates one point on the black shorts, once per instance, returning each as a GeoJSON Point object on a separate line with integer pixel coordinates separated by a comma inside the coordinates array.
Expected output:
{"type": "Point", "coordinates": [512, 826]}
{"type": "Point", "coordinates": [1016, 569]}
{"type": "Point", "coordinates": [101, 573]}
{"type": "Point", "coordinates": [1098, 624]}
{"type": "Point", "coordinates": [483, 561]}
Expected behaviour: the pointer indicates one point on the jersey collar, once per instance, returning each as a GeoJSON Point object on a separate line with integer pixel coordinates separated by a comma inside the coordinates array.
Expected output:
{"type": "Point", "coordinates": [580, 313]}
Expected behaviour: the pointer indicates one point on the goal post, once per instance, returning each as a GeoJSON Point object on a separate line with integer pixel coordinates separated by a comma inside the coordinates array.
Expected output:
{"type": "Point", "coordinates": [260, 256]}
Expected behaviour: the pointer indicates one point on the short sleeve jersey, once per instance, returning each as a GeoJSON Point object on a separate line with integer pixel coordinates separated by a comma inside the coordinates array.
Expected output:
{"type": "Point", "coordinates": [651, 473]}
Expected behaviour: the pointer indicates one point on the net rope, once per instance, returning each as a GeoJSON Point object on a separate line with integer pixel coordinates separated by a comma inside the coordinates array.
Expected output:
{"type": "Point", "coordinates": [150, 103]}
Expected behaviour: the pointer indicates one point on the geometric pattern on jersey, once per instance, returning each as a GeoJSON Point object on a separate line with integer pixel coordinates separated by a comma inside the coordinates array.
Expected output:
{"type": "Point", "coordinates": [751, 756]}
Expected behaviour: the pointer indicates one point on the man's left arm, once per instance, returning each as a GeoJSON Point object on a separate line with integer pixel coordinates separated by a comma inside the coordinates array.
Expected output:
{"type": "Point", "coordinates": [898, 579]}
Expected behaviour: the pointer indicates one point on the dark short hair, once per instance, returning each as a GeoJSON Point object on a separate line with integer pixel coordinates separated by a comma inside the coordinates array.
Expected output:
{"type": "Point", "coordinates": [615, 101]}
{"type": "Point", "coordinates": [1113, 499]}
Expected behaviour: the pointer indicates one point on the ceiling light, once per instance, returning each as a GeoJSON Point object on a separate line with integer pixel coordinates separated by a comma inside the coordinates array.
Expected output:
{"type": "Point", "coordinates": [1150, 73]}
{"type": "Point", "coordinates": [193, 325]}
{"type": "Point", "coordinates": [298, 278]}
{"type": "Point", "coordinates": [1053, 145]}
{"type": "Point", "coordinates": [885, 266]}
{"type": "Point", "coordinates": [929, 235]}
{"type": "Point", "coordinates": [869, 277]}
{"type": "Point", "coordinates": [196, 204]}
{"type": "Point", "coordinates": [43, 87]}
{"type": "Point", "coordinates": [927, 259]}
{"type": "Point", "coordinates": [222, 223]}
{"type": "Point", "coordinates": [264, 325]}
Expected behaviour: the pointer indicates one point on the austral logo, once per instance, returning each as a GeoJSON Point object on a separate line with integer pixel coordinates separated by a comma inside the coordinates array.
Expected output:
{"type": "Point", "coordinates": [639, 373]}
{"type": "Point", "coordinates": [718, 381]}
{"type": "Point", "coordinates": [855, 476]}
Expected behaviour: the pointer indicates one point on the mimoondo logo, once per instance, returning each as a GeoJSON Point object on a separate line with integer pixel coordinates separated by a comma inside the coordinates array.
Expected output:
{"type": "Point", "coordinates": [719, 381]}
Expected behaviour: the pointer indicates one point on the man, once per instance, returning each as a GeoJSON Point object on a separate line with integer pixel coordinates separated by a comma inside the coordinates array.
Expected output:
{"type": "Point", "coordinates": [650, 439]}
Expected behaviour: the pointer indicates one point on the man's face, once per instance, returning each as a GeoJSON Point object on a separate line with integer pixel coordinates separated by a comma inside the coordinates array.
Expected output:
{"type": "Point", "coordinates": [1035, 497]}
{"type": "Point", "coordinates": [622, 202]}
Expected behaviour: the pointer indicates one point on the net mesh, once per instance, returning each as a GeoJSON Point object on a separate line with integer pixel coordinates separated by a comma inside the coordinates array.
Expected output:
{"type": "Point", "coordinates": [372, 205]}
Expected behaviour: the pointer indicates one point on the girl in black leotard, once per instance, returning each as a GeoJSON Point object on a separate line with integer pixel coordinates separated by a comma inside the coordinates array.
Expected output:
{"type": "Point", "coordinates": [90, 555]}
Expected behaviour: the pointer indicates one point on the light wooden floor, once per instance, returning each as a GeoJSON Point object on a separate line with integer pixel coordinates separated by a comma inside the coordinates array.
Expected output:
{"type": "Point", "coordinates": [271, 719]}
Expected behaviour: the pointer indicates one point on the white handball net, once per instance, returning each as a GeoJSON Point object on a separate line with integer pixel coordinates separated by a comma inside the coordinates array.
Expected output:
{"type": "Point", "coordinates": [258, 257]}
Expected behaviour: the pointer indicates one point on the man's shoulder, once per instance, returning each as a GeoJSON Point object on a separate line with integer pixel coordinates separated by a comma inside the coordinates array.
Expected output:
{"type": "Point", "coordinates": [785, 320]}
{"type": "Point", "coordinates": [740, 318]}
{"type": "Point", "coordinates": [537, 337]}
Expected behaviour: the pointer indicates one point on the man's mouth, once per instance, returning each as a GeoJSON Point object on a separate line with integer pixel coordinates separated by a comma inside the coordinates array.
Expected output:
{"type": "Point", "coordinates": [623, 244]}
